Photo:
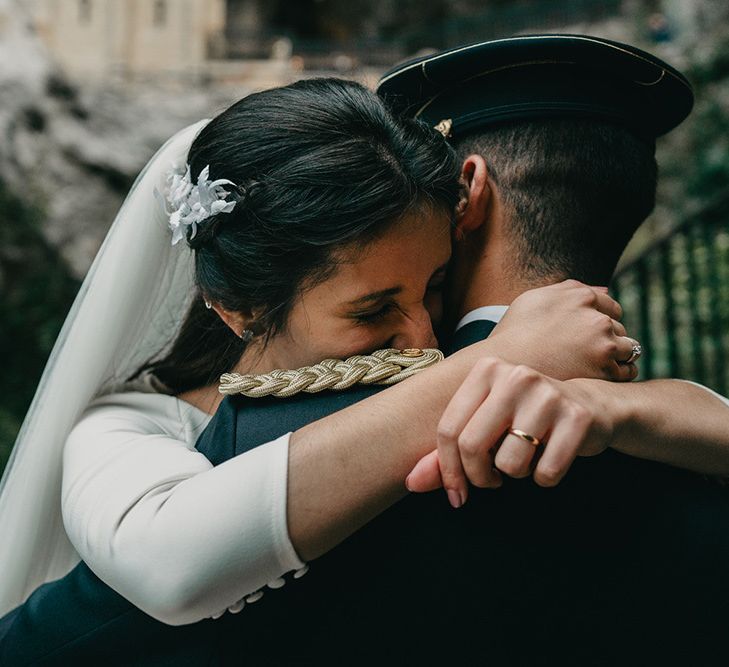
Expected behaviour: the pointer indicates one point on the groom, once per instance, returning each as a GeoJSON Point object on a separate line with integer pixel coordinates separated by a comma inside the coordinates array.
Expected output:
{"type": "Point", "coordinates": [625, 561]}
{"type": "Point", "coordinates": [608, 567]}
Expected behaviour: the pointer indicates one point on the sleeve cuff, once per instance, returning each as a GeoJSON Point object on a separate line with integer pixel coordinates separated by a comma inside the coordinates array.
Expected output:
{"type": "Point", "coordinates": [288, 558]}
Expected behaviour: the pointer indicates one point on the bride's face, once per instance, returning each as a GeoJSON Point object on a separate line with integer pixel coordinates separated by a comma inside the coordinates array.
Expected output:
{"type": "Point", "coordinates": [385, 294]}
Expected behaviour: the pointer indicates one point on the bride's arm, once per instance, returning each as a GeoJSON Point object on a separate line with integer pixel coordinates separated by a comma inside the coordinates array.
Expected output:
{"type": "Point", "coordinates": [669, 421]}
{"type": "Point", "coordinates": [152, 517]}
{"type": "Point", "coordinates": [183, 540]}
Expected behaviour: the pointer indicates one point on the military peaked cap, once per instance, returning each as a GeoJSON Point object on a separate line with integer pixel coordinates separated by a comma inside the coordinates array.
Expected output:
{"type": "Point", "coordinates": [539, 76]}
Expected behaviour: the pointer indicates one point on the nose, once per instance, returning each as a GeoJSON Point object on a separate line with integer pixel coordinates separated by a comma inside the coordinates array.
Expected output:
{"type": "Point", "coordinates": [414, 330]}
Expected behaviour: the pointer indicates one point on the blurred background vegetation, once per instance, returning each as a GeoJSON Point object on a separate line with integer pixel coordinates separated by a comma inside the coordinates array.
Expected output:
{"type": "Point", "coordinates": [91, 88]}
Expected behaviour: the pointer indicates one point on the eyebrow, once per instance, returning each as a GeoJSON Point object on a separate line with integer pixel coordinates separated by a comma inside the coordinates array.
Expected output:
{"type": "Point", "coordinates": [375, 296]}
{"type": "Point", "coordinates": [391, 291]}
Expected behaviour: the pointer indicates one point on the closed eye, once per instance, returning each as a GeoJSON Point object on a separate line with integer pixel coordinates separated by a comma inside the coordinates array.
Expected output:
{"type": "Point", "coordinates": [374, 316]}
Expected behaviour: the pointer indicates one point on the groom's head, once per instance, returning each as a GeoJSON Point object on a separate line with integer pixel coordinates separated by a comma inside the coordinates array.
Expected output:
{"type": "Point", "coordinates": [562, 196]}
{"type": "Point", "coordinates": [557, 135]}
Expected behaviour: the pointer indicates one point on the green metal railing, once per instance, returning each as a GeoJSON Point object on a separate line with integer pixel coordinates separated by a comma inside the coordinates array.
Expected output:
{"type": "Point", "coordinates": [676, 300]}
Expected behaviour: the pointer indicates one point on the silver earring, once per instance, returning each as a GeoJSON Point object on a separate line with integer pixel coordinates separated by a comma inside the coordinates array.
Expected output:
{"type": "Point", "coordinates": [246, 336]}
{"type": "Point", "coordinates": [208, 305]}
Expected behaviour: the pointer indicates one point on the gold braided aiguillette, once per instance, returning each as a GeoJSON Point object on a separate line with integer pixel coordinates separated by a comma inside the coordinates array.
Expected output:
{"type": "Point", "coordinates": [384, 367]}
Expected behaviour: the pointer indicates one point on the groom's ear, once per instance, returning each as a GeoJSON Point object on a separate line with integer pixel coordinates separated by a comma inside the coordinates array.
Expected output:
{"type": "Point", "coordinates": [475, 195]}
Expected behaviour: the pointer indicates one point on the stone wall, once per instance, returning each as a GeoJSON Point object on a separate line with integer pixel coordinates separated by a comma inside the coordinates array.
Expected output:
{"type": "Point", "coordinates": [129, 40]}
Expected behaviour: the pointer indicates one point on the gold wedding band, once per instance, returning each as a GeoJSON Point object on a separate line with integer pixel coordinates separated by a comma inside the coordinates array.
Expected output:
{"type": "Point", "coordinates": [525, 437]}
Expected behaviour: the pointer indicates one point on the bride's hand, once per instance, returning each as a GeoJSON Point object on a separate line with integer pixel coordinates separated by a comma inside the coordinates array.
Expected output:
{"type": "Point", "coordinates": [567, 330]}
{"type": "Point", "coordinates": [556, 420]}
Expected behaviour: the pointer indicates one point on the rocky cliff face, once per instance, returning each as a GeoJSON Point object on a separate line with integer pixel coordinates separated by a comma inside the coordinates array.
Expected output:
{"type": "Point", "coordinates": [67, 157]}
{"type": "Point", "coordinates": [73, 152]}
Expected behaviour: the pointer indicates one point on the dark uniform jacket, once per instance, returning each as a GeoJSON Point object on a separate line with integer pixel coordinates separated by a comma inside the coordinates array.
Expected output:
{"type": "Point", "coordinates": [625, 562]}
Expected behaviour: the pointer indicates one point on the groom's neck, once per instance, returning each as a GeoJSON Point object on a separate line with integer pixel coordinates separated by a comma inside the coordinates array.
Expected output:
{"type": "Point", "coordinates": [491, 275]}
{"type": "Point", "coordinates": [492, 286]}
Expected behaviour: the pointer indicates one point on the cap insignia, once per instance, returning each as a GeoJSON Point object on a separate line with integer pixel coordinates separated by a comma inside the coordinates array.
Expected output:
{"type": "Point", "coordinates": [444, 127]}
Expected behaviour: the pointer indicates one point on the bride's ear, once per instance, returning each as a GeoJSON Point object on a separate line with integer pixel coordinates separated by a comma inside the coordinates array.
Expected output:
{"type": "Point", "coordinates": [236, 320]}
{"type": "Point", "coordinates": [475, 195]}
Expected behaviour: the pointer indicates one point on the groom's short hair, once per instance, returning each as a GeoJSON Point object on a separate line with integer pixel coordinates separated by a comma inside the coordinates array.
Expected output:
{"type": "Point", "coordinates": [567, 125]}
{"type": "Point", "coordinates": [576, 190]}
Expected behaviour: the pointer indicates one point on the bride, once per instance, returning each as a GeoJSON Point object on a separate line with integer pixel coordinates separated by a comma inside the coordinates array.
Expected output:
{"type": "Point", "coordinates": [317, 225]}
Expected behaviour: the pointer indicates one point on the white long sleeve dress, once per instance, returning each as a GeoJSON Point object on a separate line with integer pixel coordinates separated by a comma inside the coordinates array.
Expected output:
{"type": "Point", "coordinates": [152, 517]}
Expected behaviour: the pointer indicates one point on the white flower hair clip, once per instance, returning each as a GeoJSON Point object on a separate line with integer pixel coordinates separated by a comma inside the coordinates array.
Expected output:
{"type": "Point", "coordinates": [188, 204]}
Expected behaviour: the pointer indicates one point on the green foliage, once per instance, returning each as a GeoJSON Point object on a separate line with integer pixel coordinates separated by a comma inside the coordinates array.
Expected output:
{"type": "Point", "coordinates": [676, 295]}
{"type": "Point", "coordinates": [708, 172]}
{"type": "Point", "coordinates": [36, 291]}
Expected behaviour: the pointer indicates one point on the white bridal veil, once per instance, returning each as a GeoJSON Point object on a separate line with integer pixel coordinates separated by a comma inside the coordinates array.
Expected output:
{"type": "Point", "coordinates": [127, 309]}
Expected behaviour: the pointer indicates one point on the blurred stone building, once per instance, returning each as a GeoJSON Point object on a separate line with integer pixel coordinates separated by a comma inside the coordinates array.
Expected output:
{"type": "Point", "coordinates": [130, 40]}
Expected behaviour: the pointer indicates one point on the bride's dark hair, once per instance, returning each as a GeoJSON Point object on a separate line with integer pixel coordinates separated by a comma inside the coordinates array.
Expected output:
{"type": "Point", "coordinates": [318, 165]}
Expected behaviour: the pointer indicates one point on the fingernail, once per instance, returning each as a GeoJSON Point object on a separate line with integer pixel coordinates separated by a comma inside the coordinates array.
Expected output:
{"type": "Point", "coordinates": [407, 484]}
{"type": "Point", "coordinates": [454, 498]}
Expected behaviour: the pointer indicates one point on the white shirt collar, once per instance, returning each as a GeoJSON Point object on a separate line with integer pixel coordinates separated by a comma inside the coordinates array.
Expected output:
{"type": "Point", "coordinates": [491, 313]}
